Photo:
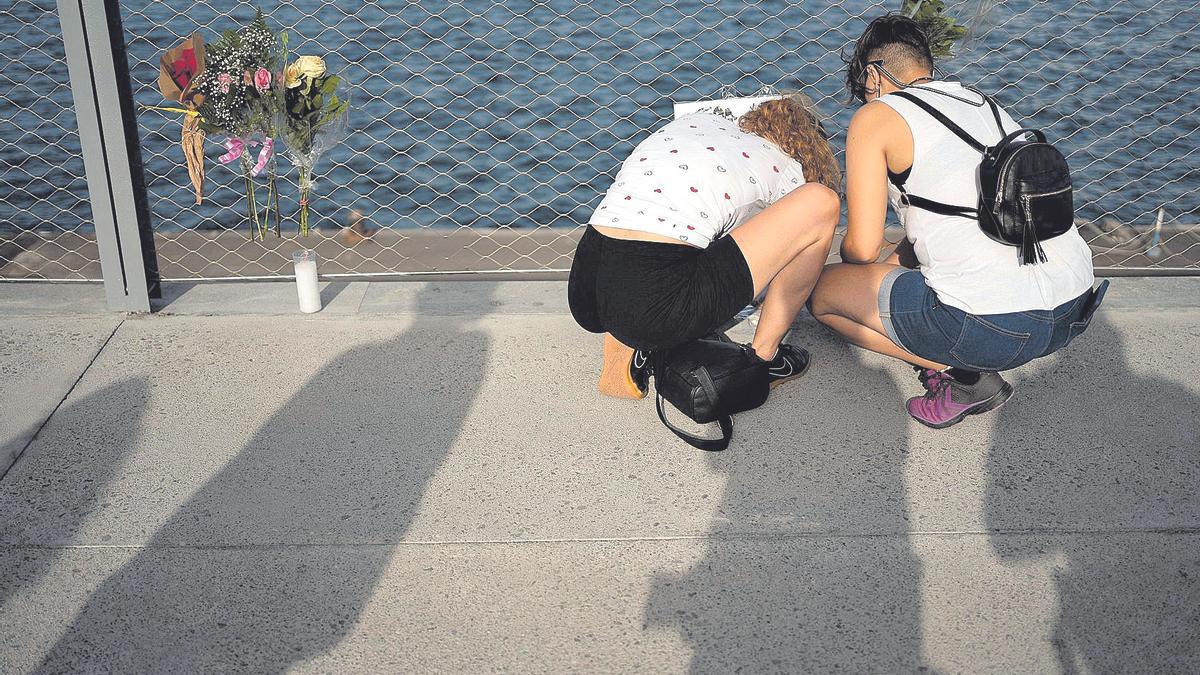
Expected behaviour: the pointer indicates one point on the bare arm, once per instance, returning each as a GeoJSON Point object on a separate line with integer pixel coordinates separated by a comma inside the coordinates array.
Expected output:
{"type": "Point", "coordinates": [866, 184]}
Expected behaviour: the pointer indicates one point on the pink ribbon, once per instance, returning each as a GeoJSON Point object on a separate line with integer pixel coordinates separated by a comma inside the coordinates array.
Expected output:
{"type": "Point", "coordinates": [236, 147]}
{"type": "Point", "coordinates": [264, 155]}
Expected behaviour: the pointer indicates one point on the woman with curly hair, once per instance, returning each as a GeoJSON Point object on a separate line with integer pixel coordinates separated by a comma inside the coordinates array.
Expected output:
{"type": "Point", "coordinates": [704, 216]}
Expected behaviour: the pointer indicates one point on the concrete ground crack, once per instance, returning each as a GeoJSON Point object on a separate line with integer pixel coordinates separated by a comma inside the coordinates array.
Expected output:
{"type": "Point", "coordinates": [714, 537]}
{"type": "Point", "coordinates": [19, 455]}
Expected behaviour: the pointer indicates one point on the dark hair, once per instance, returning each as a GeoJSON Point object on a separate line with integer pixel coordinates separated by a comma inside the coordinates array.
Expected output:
{"type": "Point", "coordinates": [893, 33]}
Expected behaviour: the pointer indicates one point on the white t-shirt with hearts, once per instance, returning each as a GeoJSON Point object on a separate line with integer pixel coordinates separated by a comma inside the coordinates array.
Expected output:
{"type": "Point", "coordinates": [696, 179]}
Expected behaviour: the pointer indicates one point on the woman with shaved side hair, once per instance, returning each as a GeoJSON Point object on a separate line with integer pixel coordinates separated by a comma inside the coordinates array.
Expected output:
{"type": "Point", "coordinates": [973, 307]}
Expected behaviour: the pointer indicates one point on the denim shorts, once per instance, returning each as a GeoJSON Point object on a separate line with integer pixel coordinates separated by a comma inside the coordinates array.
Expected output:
{"type": "Point", "coordinates": [916, 320]}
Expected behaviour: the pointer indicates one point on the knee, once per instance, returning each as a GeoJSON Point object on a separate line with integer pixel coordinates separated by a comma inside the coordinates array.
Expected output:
{"type": "Point", "coordinates": [825, 206]}
{"type": "Point", "coordinates": [813, 215]}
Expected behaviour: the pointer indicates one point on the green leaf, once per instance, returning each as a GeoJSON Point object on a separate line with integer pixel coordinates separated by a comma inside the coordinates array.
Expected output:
{"type": "Point", "coordinates": [329, 85]}
{"type": "Point", "coordinates": [942, 31]}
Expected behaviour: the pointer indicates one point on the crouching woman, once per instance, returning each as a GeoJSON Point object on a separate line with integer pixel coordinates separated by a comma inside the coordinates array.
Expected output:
{"type": "Point", "coordinates": [972, 308]}
{"type": "Point", "coordinates": [705, 215]}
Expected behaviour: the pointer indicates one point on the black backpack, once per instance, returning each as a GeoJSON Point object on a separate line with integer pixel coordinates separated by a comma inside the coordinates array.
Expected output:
{"type": "Point", "coordinates": [709, 380]}
{"type": "Point", "coordinates": [1025, 194]}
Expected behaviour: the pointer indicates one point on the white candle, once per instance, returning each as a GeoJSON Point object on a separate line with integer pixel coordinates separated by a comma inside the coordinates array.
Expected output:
{"type": "Point", "coordinates": [306, 281]}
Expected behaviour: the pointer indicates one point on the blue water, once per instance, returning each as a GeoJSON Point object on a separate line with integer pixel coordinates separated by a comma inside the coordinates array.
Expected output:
{"type": "Point", "coordinates": [517, 114]}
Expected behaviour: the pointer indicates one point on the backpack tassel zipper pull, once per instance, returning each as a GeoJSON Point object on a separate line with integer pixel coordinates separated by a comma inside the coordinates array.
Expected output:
{"type": "Point", "coordinates": [1031, 249]}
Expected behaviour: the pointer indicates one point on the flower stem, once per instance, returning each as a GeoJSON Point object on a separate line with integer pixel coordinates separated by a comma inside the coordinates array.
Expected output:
{"type": "Point", "coordinates": [266, 216]}
{"type": "Point", "coordinates": [251, 203]}
{"type": "Point", "coordinates": [278, 231]}
{"type": "Point", "coordinates": [304, 184]}
{"type": "Point", "coordinates": [254, 207]}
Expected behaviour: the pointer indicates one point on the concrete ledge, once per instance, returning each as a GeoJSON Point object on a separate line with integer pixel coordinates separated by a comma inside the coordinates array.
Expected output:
{"type": "Point", "coordinates": [41, 298]}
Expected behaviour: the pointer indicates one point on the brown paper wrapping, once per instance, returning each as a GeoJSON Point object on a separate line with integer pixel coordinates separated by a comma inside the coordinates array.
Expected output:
{"type": "Point", "coordinates": [192, 141]}
{"type": "Point", "coordinates": [179, 70]}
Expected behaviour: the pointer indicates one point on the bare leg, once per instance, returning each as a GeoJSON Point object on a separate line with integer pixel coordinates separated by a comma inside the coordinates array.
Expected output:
{"type": "Point", "coordinates": [846, 300]}
{"type": "Point", "coordinates": [785, 246]}
{"type": "Point", "coordinates": [616, 377]}
{"type": "Point", "coordinates": [787, 295]}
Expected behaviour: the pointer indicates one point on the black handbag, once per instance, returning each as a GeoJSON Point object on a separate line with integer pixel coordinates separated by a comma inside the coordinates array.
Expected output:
{"type": "Point", "coordinates": [709, 380]}
{"type": "Point", "coordinates": [1025, 191]}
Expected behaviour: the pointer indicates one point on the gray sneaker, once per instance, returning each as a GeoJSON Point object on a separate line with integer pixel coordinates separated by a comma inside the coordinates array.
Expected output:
{"type": "Point", "coordinates": [949, 401]}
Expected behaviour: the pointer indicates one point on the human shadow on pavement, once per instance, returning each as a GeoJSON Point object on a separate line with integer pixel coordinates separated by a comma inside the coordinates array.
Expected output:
{"type": "Point", "coordinates": [69, 466]}
{"type": "Point", "coordinates": [273, 560]}
{"type": "Point", "coordinates": [775, 592]}
{"type": "Point", "coordinates": [1106, 458]}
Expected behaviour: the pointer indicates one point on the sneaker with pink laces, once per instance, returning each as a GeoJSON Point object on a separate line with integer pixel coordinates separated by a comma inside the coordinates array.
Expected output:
{"type": "Point", "coordinates": [948, 401]}
{"type": "Point", "coordinates": [930, 377]}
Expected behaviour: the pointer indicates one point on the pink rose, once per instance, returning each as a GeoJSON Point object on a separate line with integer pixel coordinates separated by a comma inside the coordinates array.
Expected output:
{"type": "Point", "coordinates": [224, 79]}
{"type": "Point", "coordinates": [262, 79]}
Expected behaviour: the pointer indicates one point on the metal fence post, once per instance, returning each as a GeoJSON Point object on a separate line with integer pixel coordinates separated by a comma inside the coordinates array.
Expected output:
{"type": "Point", "coordinates": [111, 155]}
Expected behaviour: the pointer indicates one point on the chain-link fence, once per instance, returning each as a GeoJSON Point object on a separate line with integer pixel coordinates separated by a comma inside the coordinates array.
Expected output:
{"type": "Point", "coordinates": [45, 221]}
{"type": "Point", "coordinates": [484, 133]}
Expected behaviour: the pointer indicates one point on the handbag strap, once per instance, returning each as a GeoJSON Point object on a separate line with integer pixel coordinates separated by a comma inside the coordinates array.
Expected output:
{"type": "Point", "coordinates": [706, 381]}
{"type": "Point", "coordinates": [708, 444]}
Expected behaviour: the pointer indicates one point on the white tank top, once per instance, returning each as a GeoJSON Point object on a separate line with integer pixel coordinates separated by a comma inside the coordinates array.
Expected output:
{"type": "Point", "coordinates": [961, 264]}
{"type": "Point", "coordinates": [696, 179]}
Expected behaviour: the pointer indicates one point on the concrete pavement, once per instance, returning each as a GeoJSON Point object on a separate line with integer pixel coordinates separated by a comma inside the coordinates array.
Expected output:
{"type": "Point", "coordinates": [421, 478]}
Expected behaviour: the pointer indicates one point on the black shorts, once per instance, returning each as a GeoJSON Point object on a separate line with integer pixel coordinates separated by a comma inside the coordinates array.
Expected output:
{"type": "Point", "coordinates": [652, 295]}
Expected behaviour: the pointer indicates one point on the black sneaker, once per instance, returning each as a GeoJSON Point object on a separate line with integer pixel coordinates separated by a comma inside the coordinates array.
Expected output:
{"type": "Point", "coordinates": [789, 363]}
{"type": "Point", "coordinates": [639, 370]}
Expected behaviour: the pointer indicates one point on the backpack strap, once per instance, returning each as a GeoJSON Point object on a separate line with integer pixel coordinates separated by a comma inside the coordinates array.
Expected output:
{"type": "Point", "coordinates": [937, 207]}
{"type": "Point", "coordinates": [995, 113]}
{"type": "Point", "coordinates": [709, 444]}
{"type": "Point", "coordinates": [929, 204]}
{"type": "Point", "coordinates": [945, 121]}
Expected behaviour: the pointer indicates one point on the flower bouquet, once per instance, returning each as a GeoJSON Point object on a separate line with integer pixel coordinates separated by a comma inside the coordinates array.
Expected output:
{"type": "Point", "coordinates": [241, 102]}
{"type": "Point", "coordinates": [313, 118]}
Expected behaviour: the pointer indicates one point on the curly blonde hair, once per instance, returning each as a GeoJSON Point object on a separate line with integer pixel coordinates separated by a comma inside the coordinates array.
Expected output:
{"type": "Point", "coordinates": [790, 123]}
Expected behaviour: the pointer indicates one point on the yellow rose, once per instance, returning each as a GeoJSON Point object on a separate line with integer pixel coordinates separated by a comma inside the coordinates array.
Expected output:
{"type": "Point", "coordinates": [291, 76]}
{"type": "Point", "coordinates": [311, 67]}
